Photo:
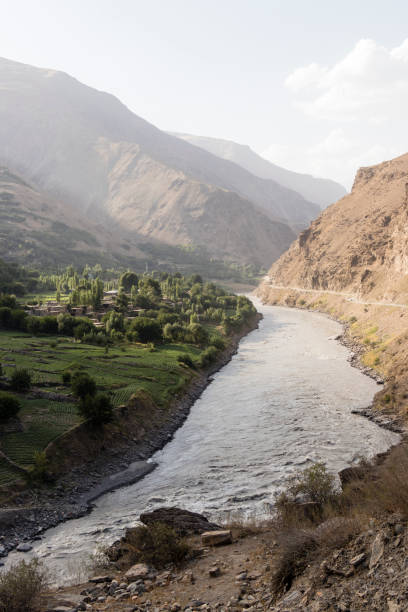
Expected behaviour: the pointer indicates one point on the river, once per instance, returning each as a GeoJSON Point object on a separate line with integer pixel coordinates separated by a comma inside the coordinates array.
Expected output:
{"type": "Point", "coordinates": [283, 402]}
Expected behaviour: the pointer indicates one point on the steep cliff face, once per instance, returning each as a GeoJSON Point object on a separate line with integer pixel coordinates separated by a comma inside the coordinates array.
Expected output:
{"type": "Point", "coordinates": [360, 243]}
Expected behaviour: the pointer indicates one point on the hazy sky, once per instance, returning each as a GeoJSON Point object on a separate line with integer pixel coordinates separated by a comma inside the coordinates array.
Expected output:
{"type": "Point", "coordinates": [318, 86]}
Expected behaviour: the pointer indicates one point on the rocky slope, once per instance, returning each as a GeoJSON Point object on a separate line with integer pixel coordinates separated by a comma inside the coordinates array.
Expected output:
{"type": "Point", "coordinates": [89, 151]}
{"type": "Point", "coordinates": [357, 245]}
{"type": "Point", "coordinates": [321, 191]}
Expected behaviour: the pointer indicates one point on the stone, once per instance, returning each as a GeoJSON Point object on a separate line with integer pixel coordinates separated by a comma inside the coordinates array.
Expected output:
{"type": "Point", "coordinates": [99, 579]}
{"type": "Point", "coordinates": [358, 559]}
{"type": "Point", "coordinates": [377, 550]}
{"type": "Point", "coordinates": [63, 609]}
{"type": "Point", "coordinates": [398, 529]}
{"type": "Point", "coordinates": [393, 606]}
{"type": "Point", "coordinates": [24, 547]}
{"type": "Point", "coordinates": [293, 597]}
{"type": "Point", "coordinates": [216, 538]}
{"type": "Point", "coordinates": [214, 571]}
{"type": "Point", "coordinates": [140, 570]}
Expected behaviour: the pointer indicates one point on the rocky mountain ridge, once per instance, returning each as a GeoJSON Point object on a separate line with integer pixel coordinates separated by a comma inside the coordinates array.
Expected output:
{"type": "Point", "coordinates": [357, 245]}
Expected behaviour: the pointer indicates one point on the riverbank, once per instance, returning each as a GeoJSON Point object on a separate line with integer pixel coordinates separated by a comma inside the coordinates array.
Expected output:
{"type": "Point", "coordinates": [36, 510]}
{"type": "Point", "coordinates": [377, 338]}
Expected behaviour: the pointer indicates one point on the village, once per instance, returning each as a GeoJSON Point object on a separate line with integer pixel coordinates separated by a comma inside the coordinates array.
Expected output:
{"type": "Point", "coordinates": [108, 303]}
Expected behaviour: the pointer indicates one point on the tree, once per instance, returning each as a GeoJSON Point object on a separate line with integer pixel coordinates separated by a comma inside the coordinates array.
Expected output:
{"type": "Point", "coordinates": [114, 322]}
{"type": "Point", "coordinates": [128, 280]}
{"type": "Point", "coordinates": [9, 406]}
{"type": "Point", "coordinates": [147, 330]}
{"type": "Point", "coordinates": [122, 301]}
{"type": "Point", "coordinates": [198, 334]}
{"type": "Point", "coordinates": [150, 287]}
{"type": "Point", "coordinates": [83, 385]}
{"type": "Point", "coordinates": [98, 408]}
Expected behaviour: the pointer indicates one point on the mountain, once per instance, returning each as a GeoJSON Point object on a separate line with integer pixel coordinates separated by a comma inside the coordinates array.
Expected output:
{"type": "Point", "coordinates": [35, 227]}
{"type": "Point", "coordinates": [85, 149]}
{"type": "Point", "coordinates": [320, 191]}
{"type": "Point", "coordinates": [358, 245]}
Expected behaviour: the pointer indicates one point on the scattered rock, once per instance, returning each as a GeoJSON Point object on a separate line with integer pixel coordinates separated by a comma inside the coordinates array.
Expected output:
{"type": "Point", "coordinates": [140, 570]}
{"type": "Point", "coordinates": [358, 559]}
{"type": "Point", "coordinates": [216, 538]}
{"type": "Point", "coordinates": [100, 579]}
{"type": "Point", "coordinates": [377, 550]}
{"type": "Point", "coordinates": [214, 571]}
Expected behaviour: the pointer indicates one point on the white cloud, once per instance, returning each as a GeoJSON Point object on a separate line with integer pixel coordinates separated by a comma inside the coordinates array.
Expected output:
{"type": "Point", "coordinates": [357, 107]}
{"type": "Point", "coordinates": [369, 83]}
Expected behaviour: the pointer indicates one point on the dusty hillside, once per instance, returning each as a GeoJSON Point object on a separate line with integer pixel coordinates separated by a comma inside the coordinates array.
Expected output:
{"type": "Point", "coordinates": [321, 191]}
{"type": "Point", "coordinates": [36, 227]}
{"type": "Point", "coordinates": [352, 262]}
{"type": "Point", "coordinates": [75, 143]}
{"type": "Point", "coordinates": [358, 244]}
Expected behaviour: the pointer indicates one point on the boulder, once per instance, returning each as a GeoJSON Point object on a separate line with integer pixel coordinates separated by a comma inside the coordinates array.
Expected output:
{"type": "Point", "coordinates": [24, 547]}
{"type": "Point", "coordinates": [100, 579]}
{"type": "Point", "coordinates": [136, 572]}
{"type": "Point", "coordinates": [182, 521]}
{"type": "Point", "coordinates": [216, 538]}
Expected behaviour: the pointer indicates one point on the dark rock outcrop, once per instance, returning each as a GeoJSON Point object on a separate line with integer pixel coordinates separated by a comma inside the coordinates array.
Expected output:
{"type": "Point", "coordinates": [182, 521]}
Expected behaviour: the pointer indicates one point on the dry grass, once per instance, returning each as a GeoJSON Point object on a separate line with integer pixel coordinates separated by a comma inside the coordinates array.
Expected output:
{"type": "Point", "coordinates": [20, 587]}
{"type": "Point", "coordinates": [384, 490]}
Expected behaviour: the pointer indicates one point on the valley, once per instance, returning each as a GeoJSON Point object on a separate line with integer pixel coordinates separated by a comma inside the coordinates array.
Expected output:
{"type": "Point", "coordinates": [203, 338]}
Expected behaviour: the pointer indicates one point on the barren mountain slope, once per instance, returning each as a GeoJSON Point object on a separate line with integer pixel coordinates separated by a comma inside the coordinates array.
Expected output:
{"type": "Point", "coordinates": [358, 244]}
{"type": "Point", "coordinates": [321, 191]}
{"type": "Point", "coordinates": [68, 138]}
{"type": "Point", "coordinates": [36, 228]}
{"type": "Point", "coordinates": [157, 201]}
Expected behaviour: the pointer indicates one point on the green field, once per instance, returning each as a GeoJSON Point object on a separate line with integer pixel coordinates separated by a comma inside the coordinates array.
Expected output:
{"type": "Point", "coordinates": [122, 371]}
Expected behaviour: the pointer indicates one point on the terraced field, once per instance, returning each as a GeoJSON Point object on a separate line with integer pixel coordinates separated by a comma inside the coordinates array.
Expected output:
{"type": "Point", "coordinates": [121, 372]}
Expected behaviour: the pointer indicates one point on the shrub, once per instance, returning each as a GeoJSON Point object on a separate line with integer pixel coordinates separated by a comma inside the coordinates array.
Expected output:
{"type": "Point", "coordinates": [5, 317]}
{"type": "Point", "coordinates": [218, 342]}
{"type": "Point", "coordinates": [40, 471]}
{"type": "Point", "coordinates": [314, 484]}
{"type": "Point", "coordinates": [198, 334]}
{"type": "Point", "coordinates": [83, 385]}
{"type": "Point", "coordinates": [9, 406]}
{"type": "Point", "coordinates": [295, 547]}
{"type": "Point", "coordinates": [207, 357]}
{"type": "Point", "coordinates": [48, 325]}
{"type": "Point", "coordinates": [66, 378]}
{"type": "Point", "coordinates": [20, 586]}
{"type": "Point", "coordinates": [20, 380]}
{"type": "Point", "coordinates": [157, 545]}
{"type": "Point", "coordinates": [186, 359]}
{"type": "Point", "coordinates": [98, 409]}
